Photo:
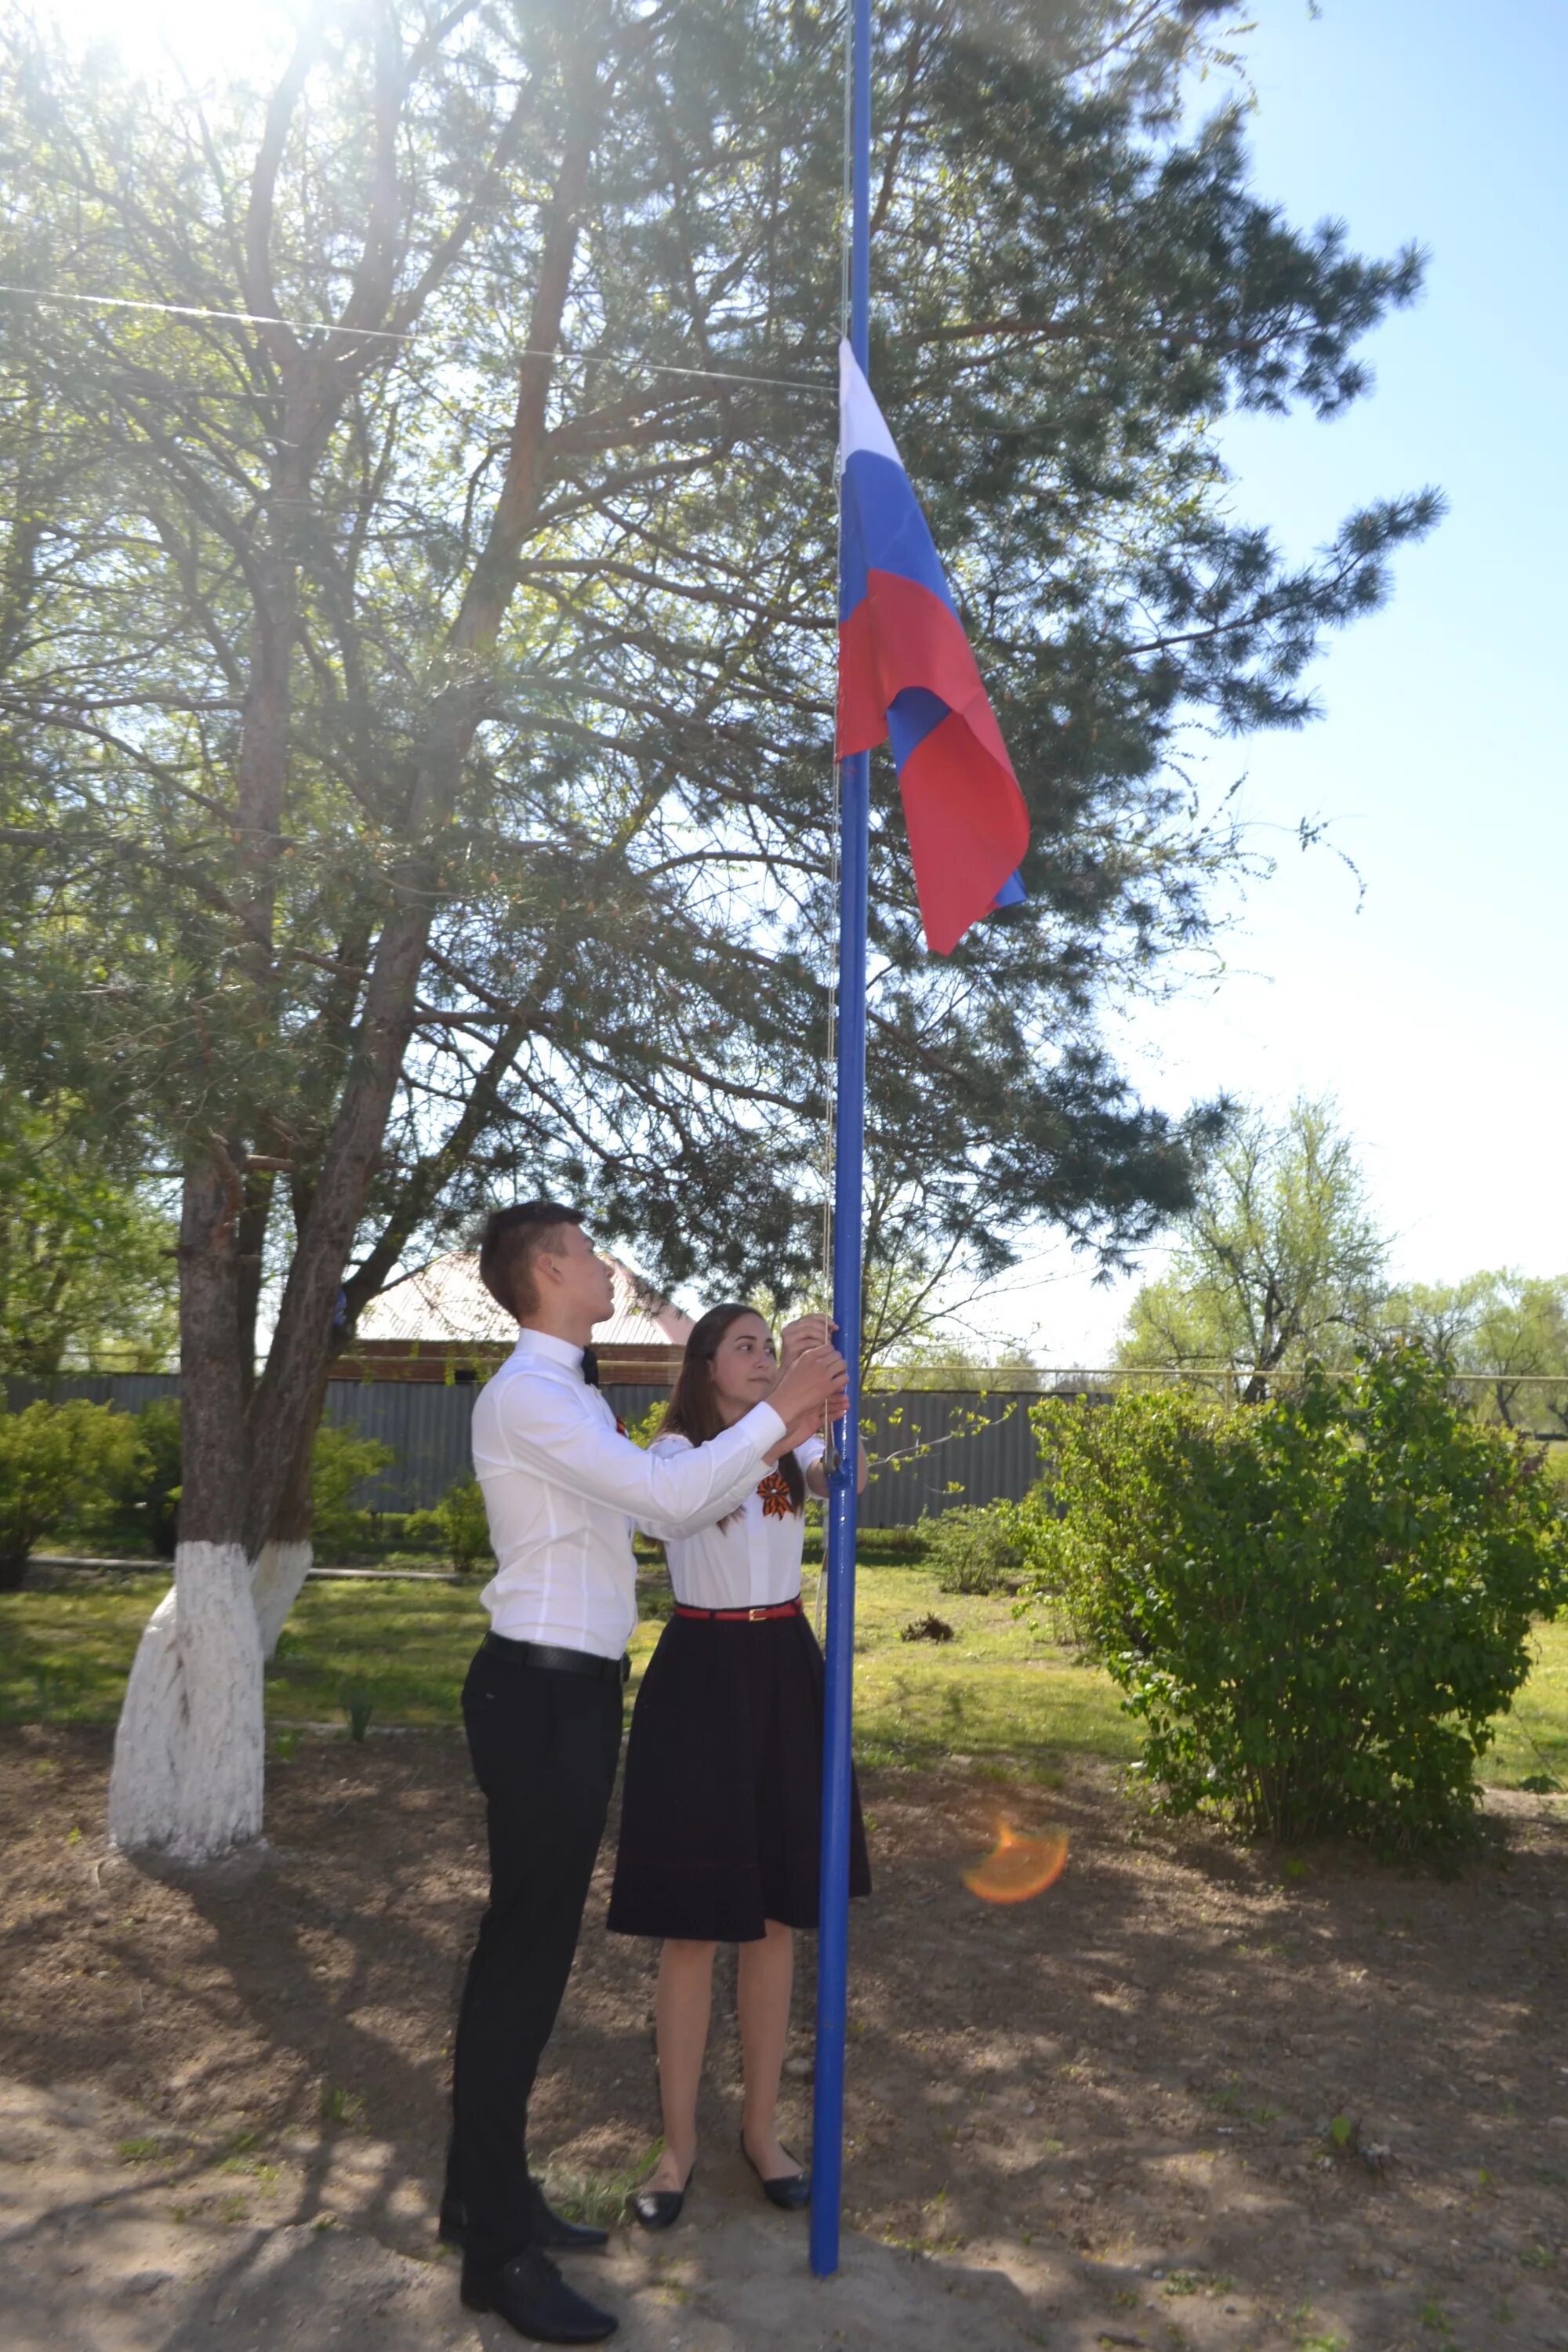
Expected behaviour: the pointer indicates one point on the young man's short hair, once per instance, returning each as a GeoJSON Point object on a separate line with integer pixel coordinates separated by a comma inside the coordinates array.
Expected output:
{"type": "Point", "coordinates": [512, 1241]}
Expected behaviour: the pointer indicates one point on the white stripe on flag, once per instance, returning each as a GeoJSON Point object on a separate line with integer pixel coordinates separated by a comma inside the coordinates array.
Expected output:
{"type": "Point", "coordinates": [860, 424]}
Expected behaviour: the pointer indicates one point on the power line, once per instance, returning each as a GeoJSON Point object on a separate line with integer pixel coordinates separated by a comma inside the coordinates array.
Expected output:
{"type": "Point", "coordinates": [822, 384]}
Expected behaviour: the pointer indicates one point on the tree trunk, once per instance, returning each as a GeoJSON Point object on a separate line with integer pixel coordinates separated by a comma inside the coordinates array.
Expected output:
{"type": "Point", "coordinates": [187, 1774]}
{"type": "Point", "coordinates": [288, 1553]}
{"type": "Point", "coordinates": [188, 1766]}
{"type": "Point", "coordinates": [279, 1580]}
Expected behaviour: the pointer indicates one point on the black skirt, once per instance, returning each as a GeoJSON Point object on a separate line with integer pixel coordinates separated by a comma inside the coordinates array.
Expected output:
{"type": "Point", "coordinates": [721, 1814]}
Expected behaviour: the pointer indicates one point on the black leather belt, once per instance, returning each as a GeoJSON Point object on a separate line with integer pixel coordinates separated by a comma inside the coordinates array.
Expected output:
{"type": "Point", "coordinates": [554, 1660]}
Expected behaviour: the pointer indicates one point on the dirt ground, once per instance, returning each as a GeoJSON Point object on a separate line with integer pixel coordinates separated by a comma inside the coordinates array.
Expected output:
{"type": "Point", "coordinates": [1190, 2097]}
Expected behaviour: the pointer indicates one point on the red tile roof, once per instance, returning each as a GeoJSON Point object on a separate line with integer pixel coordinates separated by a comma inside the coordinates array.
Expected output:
{"type": "Point", "coordinates": [446, 1303]}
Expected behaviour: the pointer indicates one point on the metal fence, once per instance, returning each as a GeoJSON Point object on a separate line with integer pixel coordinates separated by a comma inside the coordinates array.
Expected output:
{"type": "Point", "coordinates": [933, 1447]}
{"type": "Point", "coordinates": [129, 1391]}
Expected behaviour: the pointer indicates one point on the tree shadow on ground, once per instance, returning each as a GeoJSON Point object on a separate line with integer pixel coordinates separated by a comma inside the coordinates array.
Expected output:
{"type": "Point", "coordinates": [1154, 2098]}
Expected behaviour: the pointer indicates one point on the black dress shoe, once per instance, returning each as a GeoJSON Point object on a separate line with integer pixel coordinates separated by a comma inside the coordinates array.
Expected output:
{"type": "Point", "coordinates": [659, 2209]}
{"type": "Point", "coordinates": [788, 2190]}
{"type": "Point", "coordinates": [529, 2293]}
{"type": "Point", "coordinates": [555, 2233]}
{"type": "Point", "coordinates": [551, 2231]}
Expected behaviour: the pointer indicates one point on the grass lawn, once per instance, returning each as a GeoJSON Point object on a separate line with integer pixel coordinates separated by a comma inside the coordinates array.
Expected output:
{"type": "Point", "coordinates": [1002, 1693]}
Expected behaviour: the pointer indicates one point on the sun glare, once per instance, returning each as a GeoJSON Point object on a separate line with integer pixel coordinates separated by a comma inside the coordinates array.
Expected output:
{"type": "Point", "coordinates": [177, 41]}
{"type": "Point", "coordinates": [1018, 1868]}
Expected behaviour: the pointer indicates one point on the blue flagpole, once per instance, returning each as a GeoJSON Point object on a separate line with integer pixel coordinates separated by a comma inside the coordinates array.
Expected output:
{"type": "Point", "coordinates": [854, 783]}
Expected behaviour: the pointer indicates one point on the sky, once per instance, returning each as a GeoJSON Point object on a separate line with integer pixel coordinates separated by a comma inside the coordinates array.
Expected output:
{"type": "Point", "coordinates": [1427, 997]}
{"type": "Point", "coordinates": [1428, 1006]}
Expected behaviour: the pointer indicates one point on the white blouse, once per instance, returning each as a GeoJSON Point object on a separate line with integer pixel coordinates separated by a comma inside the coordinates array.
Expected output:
{"type": "Point", "coordinates": [753, 1562]}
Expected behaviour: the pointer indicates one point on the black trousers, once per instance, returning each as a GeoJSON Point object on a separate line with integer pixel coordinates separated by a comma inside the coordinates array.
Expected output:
{"type": "Point", "coordinates": [544, 1747]}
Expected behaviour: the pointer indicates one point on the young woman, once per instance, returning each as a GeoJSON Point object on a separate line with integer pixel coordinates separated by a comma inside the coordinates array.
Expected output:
{"type": "Point", "coordinates": [721, 1811]}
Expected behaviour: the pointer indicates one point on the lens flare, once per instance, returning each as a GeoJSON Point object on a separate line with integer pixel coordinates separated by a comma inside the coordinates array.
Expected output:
{"type": "Point", "coordinates": [1018, 1868]}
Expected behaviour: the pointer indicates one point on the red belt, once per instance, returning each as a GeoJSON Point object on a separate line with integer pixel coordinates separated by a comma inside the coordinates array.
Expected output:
{"type": "Point", "coordinates": [740, 1616]}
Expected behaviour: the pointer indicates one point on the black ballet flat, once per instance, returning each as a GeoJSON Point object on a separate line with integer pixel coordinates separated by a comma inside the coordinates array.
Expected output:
{"type": "Point", "coordinates": [790, 2191]}
{"type": "Point", "coordinates": [659, 2209]}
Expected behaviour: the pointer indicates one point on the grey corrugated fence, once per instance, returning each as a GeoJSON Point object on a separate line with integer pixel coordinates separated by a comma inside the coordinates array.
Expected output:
{"type": "Point", "coordinates": [934, 1447]}
{"type": "Point", "coordinates": [129, 1391]}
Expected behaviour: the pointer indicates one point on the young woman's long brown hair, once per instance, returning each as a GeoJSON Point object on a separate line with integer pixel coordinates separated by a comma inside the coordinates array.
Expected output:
{"type": "Point", "coordinates": [692, 1412]}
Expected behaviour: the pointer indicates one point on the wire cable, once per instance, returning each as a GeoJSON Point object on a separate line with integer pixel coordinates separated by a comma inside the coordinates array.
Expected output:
{"type": "Point", "coordinates": [817, 383]}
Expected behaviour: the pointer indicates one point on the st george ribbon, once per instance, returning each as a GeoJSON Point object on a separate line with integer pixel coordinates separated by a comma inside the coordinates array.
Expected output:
{"type": "Point", "coordinates": [906, 674]}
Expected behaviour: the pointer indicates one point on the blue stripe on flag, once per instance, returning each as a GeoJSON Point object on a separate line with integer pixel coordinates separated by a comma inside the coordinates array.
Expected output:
{"type": "Point", "coordinates": [884, 530]}
{"type": "Point", "coordinates": [911, 714]}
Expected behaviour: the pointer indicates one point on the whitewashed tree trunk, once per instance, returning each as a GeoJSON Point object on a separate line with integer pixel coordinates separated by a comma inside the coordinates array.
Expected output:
{"type": "Point", "coordinates": [279, 1577]}
{"type": "Point", "coordinates": [189, 1752]}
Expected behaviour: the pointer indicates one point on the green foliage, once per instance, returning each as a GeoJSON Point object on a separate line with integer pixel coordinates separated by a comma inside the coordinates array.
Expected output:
{"type": "Point", "coordinates": [646, 927]}
{"type": "Point", "coordinates": [135, 1501]}
{"type": "Point", "coordinates": [137, 1507]}
{"type": "Point", "coordinates": [929, 1628]}
{"type": "Point", "coordinates": [644, 1431]}
{"type": "Point", "coordinates": [1508, 1330]}
{"type": "Point", "coordinates": [52, 1458]}
{"type": "Point", "coordinates": [1280, 1261]}
{"type": "Point", "coordinates": [86, 1269]}
{"type": "Point", "coordinates": [458, 1527]}
{"type": "Point", "coordinates": [974, 1550]}
{"type": "Point", "coordinates": [158, 1425]}
{"type": "Point", "coordinates": [1313, 1608]}
{"type": "Point", "coordinates": [341, 1460]}
{"type": "Point", "coordinates": [357, 1700]}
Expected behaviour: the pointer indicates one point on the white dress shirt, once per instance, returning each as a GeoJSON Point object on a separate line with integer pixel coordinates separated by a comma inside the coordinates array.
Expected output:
{"type": "Point", "coordinates": [564, 1490]}
{"type": "Point", "coordinates": [754, 1561]}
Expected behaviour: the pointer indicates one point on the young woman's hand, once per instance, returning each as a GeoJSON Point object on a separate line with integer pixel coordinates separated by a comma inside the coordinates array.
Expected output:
{"type": "Point", "coordinates": [806, 1332]}
{"type": "Point", "coordinates": [797, 1436]}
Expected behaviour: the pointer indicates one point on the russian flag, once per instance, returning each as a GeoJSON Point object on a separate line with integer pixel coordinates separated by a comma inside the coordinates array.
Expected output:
{"type": "Point", "coordinates": [905, 671]}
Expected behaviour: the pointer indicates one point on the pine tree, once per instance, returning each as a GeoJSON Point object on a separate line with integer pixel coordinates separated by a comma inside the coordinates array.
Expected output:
{"type": "Point", "coordinates": [420, 771]}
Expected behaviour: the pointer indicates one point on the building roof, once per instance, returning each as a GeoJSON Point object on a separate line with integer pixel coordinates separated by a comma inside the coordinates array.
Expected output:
{"type": "Point", "coordinates": [446, 1303]}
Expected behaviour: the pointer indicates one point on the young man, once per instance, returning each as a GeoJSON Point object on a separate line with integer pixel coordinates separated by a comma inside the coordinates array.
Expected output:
{"type": "Point", "coordinates": [542, 1710]}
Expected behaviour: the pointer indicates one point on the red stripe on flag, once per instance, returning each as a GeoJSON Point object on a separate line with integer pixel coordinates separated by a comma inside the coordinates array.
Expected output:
{"type": "Point", "coordinates": [968, 829]}
{"type": "Point", "coordinates": [900, 635]}
{"type": "Point", "coordinates": [967, 824]}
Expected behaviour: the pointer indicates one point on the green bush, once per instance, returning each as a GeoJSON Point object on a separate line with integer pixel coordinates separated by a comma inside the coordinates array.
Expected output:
{"type": "Point", "coordinates": [974, 1550]}
{"type": "Point", "coordinates": [54, 1458]}
{"type": "Point", "coordinates": [1314, 1607]}
{"type": "Point", "coordinates": [138, 1507]}
{"type": "Point", "coordinates": [465, 1530]}
{"type": "Point", "coordinates": [158, 1491]}
{"type": "Point", "coordinates": [456, 1529]}
{"type": "Point", "coordinates": [341, 1460]}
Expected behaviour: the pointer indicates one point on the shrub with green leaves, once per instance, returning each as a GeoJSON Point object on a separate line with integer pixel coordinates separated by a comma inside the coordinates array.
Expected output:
{"type": "Point", "coordinates": [465, 1530]}
{"type": "Point", "coordinates": [340, 1462]}
{"type": "Point", "coordinates": [53, 1458]}
{"type": "Point", "coordinates": [1315, 1607]}
{"type": "Point", "coordinates": [138, 1507]}
{"type": "Point", "coordinates": [457, 1530]}
{"type": "Point", "coordinates": [974, 1550]}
